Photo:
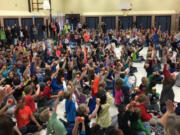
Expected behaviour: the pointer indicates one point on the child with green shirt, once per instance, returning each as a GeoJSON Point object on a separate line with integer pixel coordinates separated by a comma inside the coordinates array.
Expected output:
{"type": "Point", "coordinates": [55, 126]}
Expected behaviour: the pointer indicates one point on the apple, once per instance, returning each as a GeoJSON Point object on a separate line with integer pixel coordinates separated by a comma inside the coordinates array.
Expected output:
{"type": "Point", "coordinates": [136, 98]}
{"type": "Point", "coordinates": [61, 93]}
{"type": "Point", "coordinates": [137, 89]}
{"type": "Point", "coordinates": [82, 118]}
{"type": "Point", "coordinates": [10, 101]}
{"type": "Point", "coordinates": [79, 118]}
{"type": "Point", "coordinates": [8, 87]}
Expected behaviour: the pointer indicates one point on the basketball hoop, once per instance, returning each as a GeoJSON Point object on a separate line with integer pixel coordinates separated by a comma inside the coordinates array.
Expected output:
{"type": "Point", "coordinates": [125, 7]}
{"type": "Point", "coordinates": [125, 12]}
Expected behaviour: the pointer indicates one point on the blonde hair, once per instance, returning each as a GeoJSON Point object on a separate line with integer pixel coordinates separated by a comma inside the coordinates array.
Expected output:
{"type": "Point", "coordinates": [81, 109]}
{"type": "Point", "coordinates": [172, 125]}
{"type": "Point", "coordinates": [142, 98]}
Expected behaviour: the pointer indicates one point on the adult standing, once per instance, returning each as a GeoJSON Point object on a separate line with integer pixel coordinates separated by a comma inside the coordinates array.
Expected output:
{"type": "Point", "coordinates": [8, 35]}
{"type": "Point", "coordinates": [167, 93]}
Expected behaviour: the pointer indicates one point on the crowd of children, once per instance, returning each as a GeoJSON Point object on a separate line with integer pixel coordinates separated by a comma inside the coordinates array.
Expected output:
{"type": "Point", "coordinates": [82, 68]}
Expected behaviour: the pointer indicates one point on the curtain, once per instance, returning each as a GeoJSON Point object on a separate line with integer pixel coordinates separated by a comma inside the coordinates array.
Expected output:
{"type": "Point", "coordinates": [27, 22]}
{"type": "Point", "coordinates": [164, 22]}
{"type": "Point", "coordinates": [125, 22]}
{"type": "Point", "coordinates": [39, 22]}
{"type": "Point", "coordinates": [92, 22]}
{"type": "Point", "coordinates": [143, 21]}
{"type": "Point", "coordinates": [110, 22]}
{"type": "Point", "coordinates": [10, 22]}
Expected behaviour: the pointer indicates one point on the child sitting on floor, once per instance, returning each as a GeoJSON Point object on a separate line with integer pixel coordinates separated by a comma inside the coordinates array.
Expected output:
{"type": "Point", "coordinates": [25, 120]}
{"type": "Point", "coordinates": [144, 84]}
{"type": "Point", "coordinates": [83, 111]}
{"type": "Point", "coordinates": [30, 98]}
{"type": "Point", "coordinates": [141, 101]}
{"type": "Point", "coordinates": [54, 126]}
{"type": "Point", "coordinates": [119, 96]}
{"type": "Point", "coordinates": [70, 105]}
{"type": "Point", "coordinates": [103, 116]}
{"type": "Point", "coordinates": [137, 124]}
{"type": "Point", "coordinates": [154, 98]}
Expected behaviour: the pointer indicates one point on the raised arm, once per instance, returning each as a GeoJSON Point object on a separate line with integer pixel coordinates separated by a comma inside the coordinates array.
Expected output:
{"type": "Point", "coordinates": [96, 109]}
{"type": "Point", "coordinates": [37, 91]}
{"type": "Point", "coordinates": [170, 109]}
{"type": "Point", "coordinates": [57, 101]}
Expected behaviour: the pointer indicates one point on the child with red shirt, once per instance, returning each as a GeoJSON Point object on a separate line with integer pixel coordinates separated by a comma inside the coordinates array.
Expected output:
{"type": "Point", "coordinates": [145, 117]}
{"type": "Point", "coordinates": [25, 120]}
{"type": "Point", "coordinates": [48, 94]}
{"type": "Point", "coordinates": [30, 98]}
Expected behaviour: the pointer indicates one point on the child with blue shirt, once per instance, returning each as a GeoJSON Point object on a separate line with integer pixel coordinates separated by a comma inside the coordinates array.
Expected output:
{"type": "Point", "coordinates": [70, 106]}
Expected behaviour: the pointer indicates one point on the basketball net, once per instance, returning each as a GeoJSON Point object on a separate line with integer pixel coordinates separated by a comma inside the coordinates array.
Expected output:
{"type": "Point", "coordinates": [125, 12]}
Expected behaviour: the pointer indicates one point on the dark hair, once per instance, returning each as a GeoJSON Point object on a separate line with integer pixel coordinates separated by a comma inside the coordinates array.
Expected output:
{"type": "Point", "coordinates": [113, 131]}
{"type": "Point", "coordinates": [33, 75]}
{"type": "Point", "coordinates": [48, 72]}
{"type": "Point", "coordinates": [102, 85]}
{"type": "Point", "coordinates": [47, 79]}
{"type": "Point", "coordinates": [168, 81]}
{"type": "Point", "coordinates": [122, 75]}
{"type": "Point", "coordinates": [28, 89]}
{"type": "Point", "coordinates": [59, 76]}
{"type": "Point", "coordinates": [6, 125]}
{"type": "Point", "coordinates": [91, 74]}
{"type": "Point", "coordinates": [16, 80]}
{"type": "Point", "coordinates": [18, 107]}
{"type": "Point", "coordinates": [118, 84]}
{"type": "Point", "coordinates": [96, 130]}
{"type": "Point", "coordinates": [121, 108]}
{"type": "Point", "coordinates": [102, 96]}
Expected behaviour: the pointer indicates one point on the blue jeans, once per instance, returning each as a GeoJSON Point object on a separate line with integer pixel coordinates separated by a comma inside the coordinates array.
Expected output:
{"type": "Point", "coordinates": [29, 128]}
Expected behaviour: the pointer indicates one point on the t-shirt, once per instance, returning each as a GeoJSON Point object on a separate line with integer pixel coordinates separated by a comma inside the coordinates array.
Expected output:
{"type": "Point", "coordinates": [55, 125]}
{"type": "Point", "coordinates": [95, 86]}
{"type": "Point", "coordinates": [70, 110]}
{"type": "Point", "coordinates": [47, 92]}
{"type": "Point", "coordinates": [119, 97]}
{"type": "Point", "coordinates": [30, 102]}
{"type": "Point", "coordinates": [103, 118]}
{"type": "Point", "coordinates": [23, 116]}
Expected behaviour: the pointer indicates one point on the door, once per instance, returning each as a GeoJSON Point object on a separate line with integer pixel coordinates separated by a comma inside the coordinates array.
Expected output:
{"type": "Point", "coordinates": [11, 22]}
{"type": "Point", "coordinates": [143, 22]}
{"type": "Point", "coordinates": [164, 22]}
{"type": "Point", "coordinates": [110, 22]}
{"type": "Point", "coordinates": [39, 22]}
{"type": "Point", "coordinates": [125, 22]}
{"type": "Point", "coordinates": [29, 23]}
{"type": "Point", "coordinates": [92, 22]}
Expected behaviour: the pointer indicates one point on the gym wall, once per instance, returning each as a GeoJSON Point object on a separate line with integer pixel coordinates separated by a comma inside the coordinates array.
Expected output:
{"type": "Point", "coordinates": [95, 8]}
